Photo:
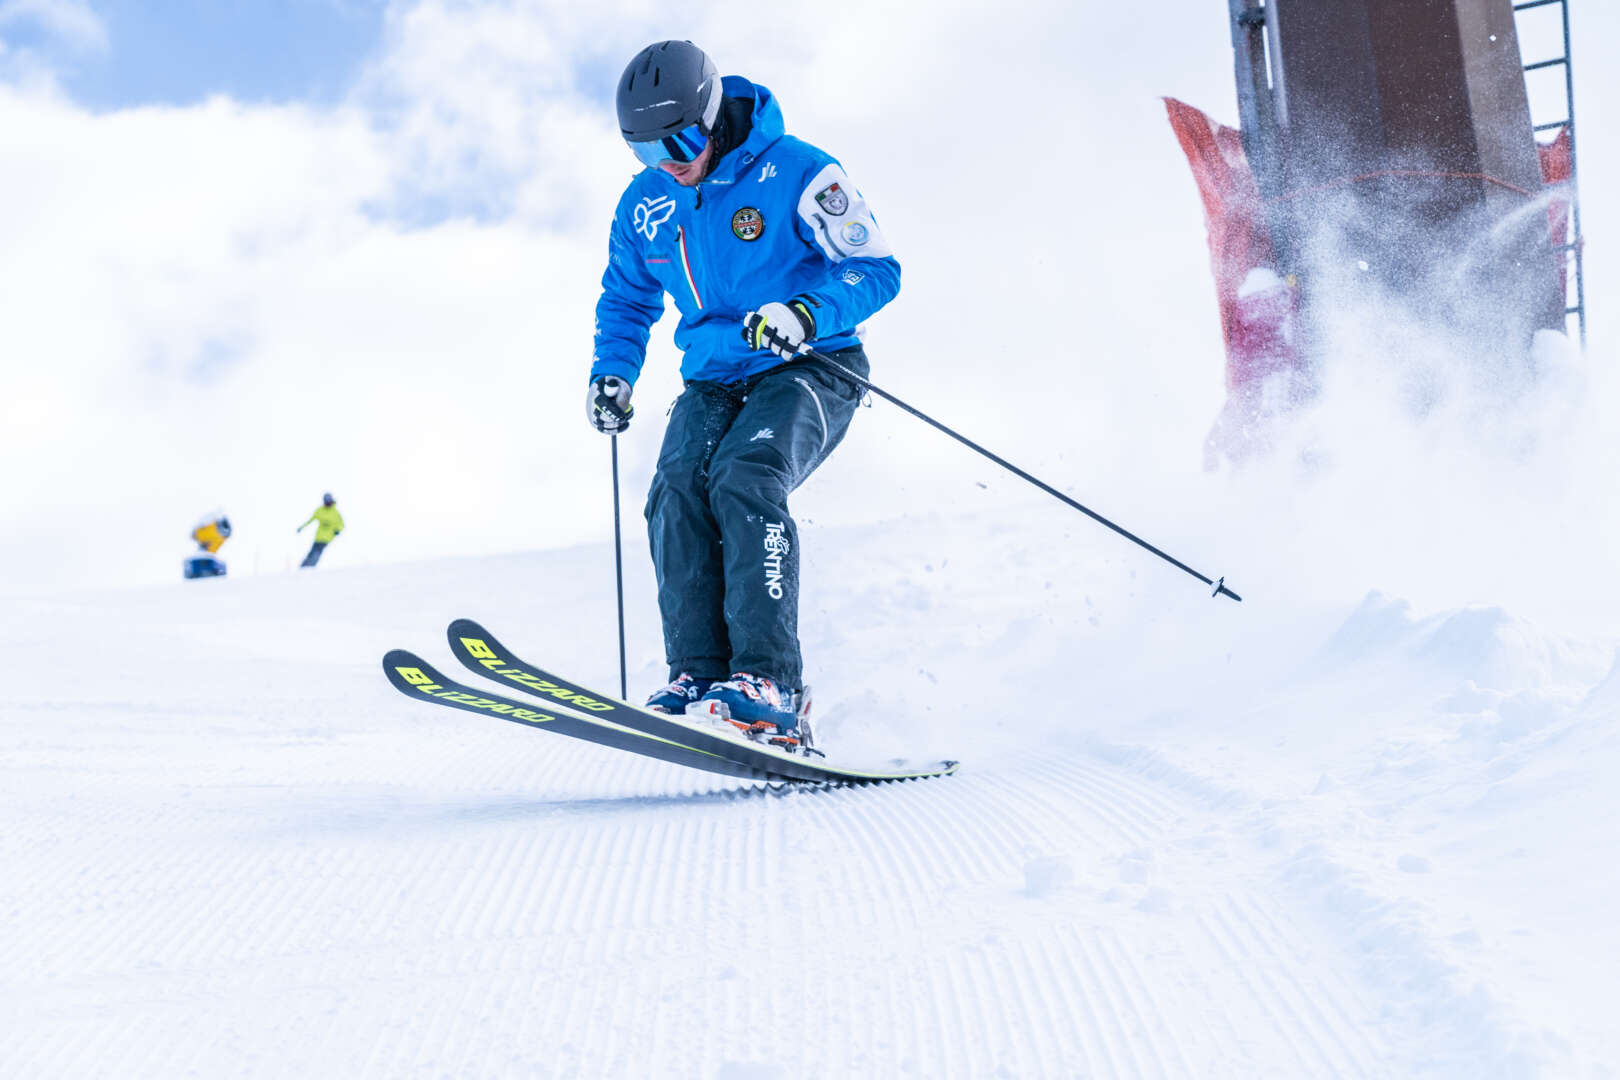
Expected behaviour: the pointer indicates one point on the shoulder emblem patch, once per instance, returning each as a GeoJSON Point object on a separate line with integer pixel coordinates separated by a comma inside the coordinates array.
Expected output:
{"type": "Point", "coordinates": [748, 224]}
{"type": "Point", "coordinates": [855, 234]}
{"type": "Point", "coordinates": [833, 200]}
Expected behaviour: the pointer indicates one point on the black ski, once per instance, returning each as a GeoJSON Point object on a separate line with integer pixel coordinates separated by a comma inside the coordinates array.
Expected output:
{"type": "Point", "coordinates": [479, 650]}
{"type": "Point", "coordinates": [416, 678]}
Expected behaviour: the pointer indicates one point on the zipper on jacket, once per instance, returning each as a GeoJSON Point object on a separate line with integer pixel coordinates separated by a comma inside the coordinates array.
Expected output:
{"type": "Point", "coordinates": [686, 265]}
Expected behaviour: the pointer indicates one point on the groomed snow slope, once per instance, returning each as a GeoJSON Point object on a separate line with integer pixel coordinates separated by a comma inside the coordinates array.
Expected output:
{"type": "Point", "coordinates": [1190, 838]}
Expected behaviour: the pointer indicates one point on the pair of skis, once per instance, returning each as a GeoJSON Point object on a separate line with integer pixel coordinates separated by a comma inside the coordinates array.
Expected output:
{"type": "Point", "coordinates": [569, 709]}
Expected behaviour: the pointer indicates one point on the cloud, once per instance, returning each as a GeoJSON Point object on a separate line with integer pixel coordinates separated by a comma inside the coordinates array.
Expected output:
{"type": "Point", "coordinates": [71, 22]}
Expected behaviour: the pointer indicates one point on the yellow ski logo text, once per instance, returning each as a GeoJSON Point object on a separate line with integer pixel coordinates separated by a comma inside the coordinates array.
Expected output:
{"type": "Point", "coordinates": [424, 685]}
{"type": "Point", "coordinates": [479, 650]}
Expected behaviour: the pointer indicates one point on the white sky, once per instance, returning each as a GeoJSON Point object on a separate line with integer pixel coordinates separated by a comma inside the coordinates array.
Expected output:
{"type": "Point", "coordinates": [390, 297]}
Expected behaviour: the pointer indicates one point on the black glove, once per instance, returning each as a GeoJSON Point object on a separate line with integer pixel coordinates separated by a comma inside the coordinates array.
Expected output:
{"type": "Point", "coordinates": [607, 404]}
{"type": "Point", "coordinates": [782, 328]}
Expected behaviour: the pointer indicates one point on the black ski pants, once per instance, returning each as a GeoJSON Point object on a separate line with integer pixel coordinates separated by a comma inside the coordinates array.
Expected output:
{"type": "Point", "coordinates": [725, 549]}
{"type": "Point", "coordinates": [314, 555]}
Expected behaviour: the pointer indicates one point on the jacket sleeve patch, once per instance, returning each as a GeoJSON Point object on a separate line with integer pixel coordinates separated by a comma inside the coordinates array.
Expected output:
{"type": "Point", "coordinates": [837, 216]}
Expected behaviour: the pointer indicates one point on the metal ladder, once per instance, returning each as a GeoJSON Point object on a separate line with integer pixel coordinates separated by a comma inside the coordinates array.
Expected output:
{"type": "Point", "coordinates": [1575, 244]}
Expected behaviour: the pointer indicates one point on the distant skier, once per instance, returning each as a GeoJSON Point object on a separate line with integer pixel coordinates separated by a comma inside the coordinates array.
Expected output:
{"type": "Point", "coordinates": [328, 524]}
{"type": "Point", "coordinates": [766, 247]}
{"type": "Point", "coordinates": [210, 533]}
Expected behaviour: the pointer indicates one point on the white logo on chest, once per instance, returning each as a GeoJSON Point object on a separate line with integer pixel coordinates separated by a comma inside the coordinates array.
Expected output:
{"type": "Point", "coordinates": [651, 213]}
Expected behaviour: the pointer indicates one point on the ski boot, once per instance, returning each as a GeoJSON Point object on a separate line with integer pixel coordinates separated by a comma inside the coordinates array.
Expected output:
{"type": "Point", "coordinates": [757, 707]}
{"type": "Point", "coordinates": [675, 698]}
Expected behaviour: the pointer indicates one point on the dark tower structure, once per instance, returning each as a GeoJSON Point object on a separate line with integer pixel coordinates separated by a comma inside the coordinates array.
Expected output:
{"type": "Point", "coordinates": [1395, 136]}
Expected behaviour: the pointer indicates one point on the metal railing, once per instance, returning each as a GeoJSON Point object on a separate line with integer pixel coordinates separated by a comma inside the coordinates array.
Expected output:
{"type": "Point", "coordinates": [1576, 238]}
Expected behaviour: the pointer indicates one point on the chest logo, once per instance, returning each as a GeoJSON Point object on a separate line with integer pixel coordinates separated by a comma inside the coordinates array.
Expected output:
{"type": "Point", "coordinates": [651, 213]}
{"type": "Point", "coordinates": [833, 200]}
{"type": "Point", "coordinates": [748, 224]}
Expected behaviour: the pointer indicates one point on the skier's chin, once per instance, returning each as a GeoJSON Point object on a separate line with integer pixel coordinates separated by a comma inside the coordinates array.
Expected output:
{"type": "Point", "coordinates": [690, 173]}
{"type": "Point", "coordinates": [685, 175]}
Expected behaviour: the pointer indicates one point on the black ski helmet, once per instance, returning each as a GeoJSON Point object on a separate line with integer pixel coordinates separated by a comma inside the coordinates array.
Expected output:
{"type": "Point", "coordinates": [327, 499]}
{"type": "Point", "coordinates": [669, 86]}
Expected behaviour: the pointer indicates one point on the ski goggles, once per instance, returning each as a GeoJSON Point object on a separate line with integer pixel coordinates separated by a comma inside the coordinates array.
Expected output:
{"type": "Point", "coordinates": [684, 146]}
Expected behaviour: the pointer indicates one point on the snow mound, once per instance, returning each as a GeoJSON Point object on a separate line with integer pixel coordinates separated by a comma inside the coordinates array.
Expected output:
{"type": "Point", "coordinates": [1605, 696]}
{"type": "Point", "coordinates": [1482, 644]}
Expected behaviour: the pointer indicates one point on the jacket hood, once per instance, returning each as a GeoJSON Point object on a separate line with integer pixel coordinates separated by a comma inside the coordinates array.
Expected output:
{"type": "Point", "coordinates": [768, 124]}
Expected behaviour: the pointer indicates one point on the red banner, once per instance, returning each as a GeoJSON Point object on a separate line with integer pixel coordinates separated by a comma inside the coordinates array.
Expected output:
{"type": "Point", "coordinates": [1555, 169]}
{"type": "Point", "coordinates": [1238, 238]}
{"type": "Point", "coordinates": [1259, 308]}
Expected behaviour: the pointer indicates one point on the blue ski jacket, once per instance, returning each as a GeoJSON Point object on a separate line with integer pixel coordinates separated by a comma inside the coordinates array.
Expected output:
{"type": "Point", "coordinates": [776, 218]}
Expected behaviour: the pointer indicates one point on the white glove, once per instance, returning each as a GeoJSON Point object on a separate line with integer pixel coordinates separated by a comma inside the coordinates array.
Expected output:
{"type": "Point", "coordinates": [781, 328]}
{"type": "Point", "coordinates": [607, 404]}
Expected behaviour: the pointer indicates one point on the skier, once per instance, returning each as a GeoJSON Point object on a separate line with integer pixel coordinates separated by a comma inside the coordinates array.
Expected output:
{"type": "Point", "coordinates": [767, 249]}
{"type": "Point", "coordinates": [328, 524]}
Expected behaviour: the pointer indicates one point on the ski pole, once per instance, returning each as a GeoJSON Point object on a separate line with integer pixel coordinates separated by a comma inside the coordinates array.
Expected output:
{"type": "Point", "coordinates": [1220, 584]}
{"type": "Point", "coordinates": [618, 570]}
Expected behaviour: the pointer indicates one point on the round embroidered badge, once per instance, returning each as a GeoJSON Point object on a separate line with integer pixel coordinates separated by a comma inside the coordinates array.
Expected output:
{"type": "Point", "coordinates": [747, 224]}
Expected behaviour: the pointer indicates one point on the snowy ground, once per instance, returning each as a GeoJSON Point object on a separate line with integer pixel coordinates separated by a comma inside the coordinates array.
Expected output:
{"type": "Point", "coordinates": [1190, 838]}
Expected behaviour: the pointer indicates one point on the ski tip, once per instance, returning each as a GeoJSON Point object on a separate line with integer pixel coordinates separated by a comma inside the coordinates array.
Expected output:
{"type": "Point", "coordinates": [398, 661]}
{"type": "Point", "coordinates": [395, 663]}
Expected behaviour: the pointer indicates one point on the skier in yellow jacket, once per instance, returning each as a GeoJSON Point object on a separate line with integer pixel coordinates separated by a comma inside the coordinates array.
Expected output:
{"type": "Point", "coordinates": [328, 523]}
